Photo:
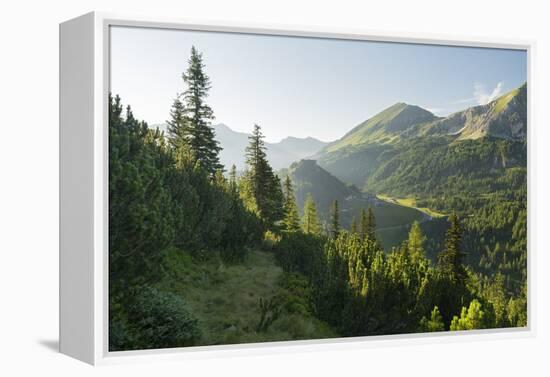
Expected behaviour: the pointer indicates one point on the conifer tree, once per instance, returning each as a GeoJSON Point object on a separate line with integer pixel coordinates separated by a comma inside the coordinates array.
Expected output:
{"type": "Point", "coordinates": [191, 117]}
{"type": "Point", "coordinates": [450, 258]}
{"type": "Point", "coordinates": [363, 231]}
{"type": "Point", "coordinates": [310, 221]}
{"type": "Point", "coordinates": [367, 226]}
{"type": "Point", "coordinates": [415, 242]}
{"type": "Point", "coordinates": [262, 188]}
{"type": "Point", "coordinates": [371, 224]}
{"type": "Point", "coordinates": [470, 319]}
{"type": "Point", "coordinates": [334, 219]}
{"type": "Point", "coordinates": [353, 228]}
{"type": "Point", "coordinates": [178, 126]}
{"type": "Point", "coordinates": [291, 221]}
{"type": "Point", "coordinates": [435, 323]}
{"type": "Point", "coordinates": [233, 186]}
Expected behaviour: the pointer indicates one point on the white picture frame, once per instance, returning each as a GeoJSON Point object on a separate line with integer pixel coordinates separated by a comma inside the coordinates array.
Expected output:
{"type": "Point", "coordinates": [84, 87]}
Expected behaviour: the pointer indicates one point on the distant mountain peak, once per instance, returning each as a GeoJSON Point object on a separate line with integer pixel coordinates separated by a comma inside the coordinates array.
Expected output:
{"type": "Point", "coordinates": [280, 155]}
{"type": "Point", "coordinates": [505, 117]}
{"type": "Point", "coordinates": [385, 126]}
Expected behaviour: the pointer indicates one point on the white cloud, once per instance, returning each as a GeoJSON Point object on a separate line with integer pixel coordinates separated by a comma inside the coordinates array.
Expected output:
{"type": "Point", "coordinates": [481, 95]}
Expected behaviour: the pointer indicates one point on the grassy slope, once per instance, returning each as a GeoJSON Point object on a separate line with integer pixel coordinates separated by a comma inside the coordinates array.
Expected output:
{"type": "Point", "coordinates": [225, 299]}
{"type": "Point", "coordinates": [411, 203]}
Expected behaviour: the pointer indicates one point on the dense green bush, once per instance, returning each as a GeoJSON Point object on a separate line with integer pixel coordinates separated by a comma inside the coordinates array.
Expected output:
{"type": "Point", "coordinates": [161, 320]}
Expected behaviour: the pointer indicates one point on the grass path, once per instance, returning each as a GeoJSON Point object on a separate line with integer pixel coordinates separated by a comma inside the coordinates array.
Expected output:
{"type": "Point", "coordinates": [225, 299]}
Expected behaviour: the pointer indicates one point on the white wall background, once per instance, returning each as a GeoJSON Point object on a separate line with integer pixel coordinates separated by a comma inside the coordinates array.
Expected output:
{"type": "Point", "coordinates": [29, 183]}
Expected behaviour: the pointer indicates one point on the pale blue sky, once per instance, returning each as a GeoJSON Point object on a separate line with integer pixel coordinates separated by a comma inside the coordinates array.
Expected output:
{"type": "Point", "coordinates": [305, 86]}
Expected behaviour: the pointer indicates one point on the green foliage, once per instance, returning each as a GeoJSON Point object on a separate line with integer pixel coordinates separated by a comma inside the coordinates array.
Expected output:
{"type": "Point", "coordinates": [270, 240]}
{"type": "Point", "coordinates": [450, 259]}
{"type": "Point", "coordinates": [334, 229]}
{"type": "Point", "coordinates": [270, 310]}
{"type": "Point", "coordinates": [161, 320]}
{"type": "Point", "coordinates": [356, 287]}
{"type": "Point", "coordinates": [161, 197]}
{"type": "Point", "coordinates": [291, 221]}
{"type": "Point", "coordinates": [169, 196]}
{"type": "Point", "coordinates": [516, 309]}
{"type": "Point", "coordinates": [300, 252]}
{"type": "Point", "coordinates": [310, 220]}
{"type": "Point", "coordinates": [354, 229]}
{"type": "Point", "coordinates": [415, 242]}
{"type": "Point", "coordinates": [152, 319]}
{"type": "Point", "coordinates": [368, 224]}
{"type": "Point", "coordinates": [260, 187]}
{"type": "Point", "coordinates": [435, 323]}
{"type": "Point", "coordinates": [191, 117]}
{"type": "Point", "coordinates": [470, 319]}
{"type": "Point", "coordinates": [141, 222]}
{"type": "Point", "coordinates": [178, 127]}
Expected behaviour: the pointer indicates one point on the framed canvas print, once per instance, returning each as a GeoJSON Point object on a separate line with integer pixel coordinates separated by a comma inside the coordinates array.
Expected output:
{"type": "Point", "coordinates": [227, 189]}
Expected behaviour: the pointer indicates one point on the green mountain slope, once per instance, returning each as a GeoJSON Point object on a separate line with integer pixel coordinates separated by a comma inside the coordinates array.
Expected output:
{"type": "Point", "coordinates": [357, 156]}
{"type": "Point", "coordinates": [310, 178]}
{"type": "Point", "coordinates": [385, 126]}
{"type": "Point", "coordinates": [473, 162]}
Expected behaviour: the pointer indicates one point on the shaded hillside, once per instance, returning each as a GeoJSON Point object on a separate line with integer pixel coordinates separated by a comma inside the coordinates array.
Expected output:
{"type": "Point", "coordinates": [310, 178]}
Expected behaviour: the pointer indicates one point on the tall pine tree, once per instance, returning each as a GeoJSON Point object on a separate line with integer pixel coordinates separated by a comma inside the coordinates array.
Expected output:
{"type": "Point", "coordinates": [367, 225]}
{"type": "Point", "coordinates": [310, 221]}
{"type": "Point", "coordinates": [334, 219]}
{"type": "Point", "coordinates": [191, 117]}
{"type": "Point", "coordinates": [291, 222]}
{"type": "Point", "coordinates": [450, 258]}
{"type": "Point", "coordinates": [353, 228]}
{"type": "Point", "coordinates": [262, 191]}
{"type": "Point", "coordinates": [178, 126]}
{"type": "Point", "coordinates": [415, 242]}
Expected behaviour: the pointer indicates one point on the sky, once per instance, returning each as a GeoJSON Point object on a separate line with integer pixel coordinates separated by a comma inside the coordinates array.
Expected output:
{"type": "Point", "coordinates": [293, 86]}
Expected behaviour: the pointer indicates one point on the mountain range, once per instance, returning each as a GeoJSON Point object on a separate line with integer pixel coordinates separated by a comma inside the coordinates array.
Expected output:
{"type": "Point", "coordinates": [505, 117]}
{"type": "Point", "coordinates": [280, 155]}
{"type": "Point", "coordinates": [362, 152]}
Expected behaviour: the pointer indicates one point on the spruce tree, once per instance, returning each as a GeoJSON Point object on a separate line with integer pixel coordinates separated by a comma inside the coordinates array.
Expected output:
{"type": "Point", "coordinates": [470, 319]}
{"type": "Point", "coordinates": [371, 224]}
{"type": "Point", "coordinates": [191, 117]}
{"type": "Point", "coordinates": [415, 242]}
{"type": "Point", "coordinates": [262, 187]}
{"type": "Point", "coordinates": [178, 126]}
{"type": "Point", "coordinates": [233, 186]}
{"type": "Point", "coordinates": [450, 258]}
{"type": "Point", "coordinates": [435, 323]}
{"type": "Point", "coordinates": [310, 221]}
{"type": "Point", "coordinates": [291, 221]}
{"type": "Point", "coordinates": [334, 219]}
{"type": "Point", "coordinates": [353, 228]}
{"type": "Point", "coordinates": [363, 224]}
{"type": "Point", "coordinates": [367, 225]}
